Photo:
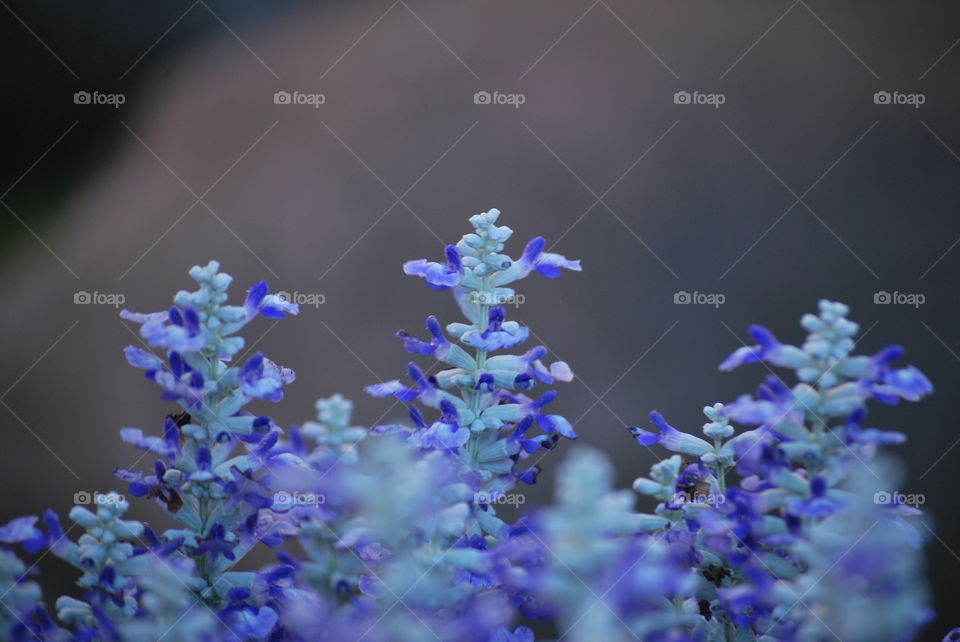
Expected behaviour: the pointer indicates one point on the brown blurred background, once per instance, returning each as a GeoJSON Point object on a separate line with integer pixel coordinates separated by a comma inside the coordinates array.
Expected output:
{"type": "Point", "coordinates": [798, 186]}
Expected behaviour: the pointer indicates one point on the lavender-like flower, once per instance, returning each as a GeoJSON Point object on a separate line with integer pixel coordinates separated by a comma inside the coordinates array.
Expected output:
{"type": "Point", "coordinates": [765, 544]}
{"type": "Point", "coordinates": [485, 413]}
{"type": "Point", "coordinates": [595, 575]}
{"type": "Point", "coordinates": [770, 524]}
{"type": "Point", "coordinates": [23, 616]}
{"type": "Point", "coordinates": [215, 493]}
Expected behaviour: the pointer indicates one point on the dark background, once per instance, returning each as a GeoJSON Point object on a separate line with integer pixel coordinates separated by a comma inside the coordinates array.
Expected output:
{"type": "Point", "coordinates": [692, 198]}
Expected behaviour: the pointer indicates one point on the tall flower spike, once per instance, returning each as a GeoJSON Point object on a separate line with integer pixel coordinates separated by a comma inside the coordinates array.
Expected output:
{"type": "Point", "coordinates": [800, 521]}
{"type": "Point", "coordinates": [480, 395]}
{"type": "Point", "coordinates": [779, 499]}
{"type": "Point", "coordinates": [200, 479]}
{"type": "Point", "coordinates": [598, 577]}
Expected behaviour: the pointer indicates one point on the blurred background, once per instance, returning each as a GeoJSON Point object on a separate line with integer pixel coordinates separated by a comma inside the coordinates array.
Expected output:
{"type": "Point", "coordinates": [749, 157]}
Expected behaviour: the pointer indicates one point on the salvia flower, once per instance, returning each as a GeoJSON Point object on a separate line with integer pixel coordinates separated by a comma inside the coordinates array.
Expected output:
{"type": "Point", "coordinates": [479, 394]}
{"type": "Point", "coordinates": [790, 552]}
{"type": "Point", "coordinates": [764, 526]}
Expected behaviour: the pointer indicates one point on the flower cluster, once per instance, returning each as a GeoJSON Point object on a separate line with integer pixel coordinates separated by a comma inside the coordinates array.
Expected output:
{"type": "Point", "coordinates": [215, 492]}
{"type": "Point", "coordinates": [765, 527]}
{"type": "Point", "coordinates": [483, 399]}
{"type": "Point", "coordinates": [601, 577]}
{"type": "Point", "coordinates": [785, 546]}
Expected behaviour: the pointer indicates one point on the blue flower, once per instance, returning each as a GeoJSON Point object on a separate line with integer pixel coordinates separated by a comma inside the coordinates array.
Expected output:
{"type": "Point", "coordinates": [261, 378]}
{"type": "Point", "coordinates": [904, 383]}
{"type": "Point", "coordinates": [203, 467]}
{"type": "Point", "coordinates": [749, 603]}
{"type": "Point", "coordinates": [550, 423]}
{"type": "Point", "coordinates": [855, 432]}
{"type": "Point", "coordinates": [546, 263]}
{"type": "Point", "coordinates": [244, 488]}
{"type": "Point", "coordinates": [520, 634]}
{"type": "Point", "coordinates": [485, 421]}
{"type": "Point", "coordinates": [443, 433]}
{"type": "Point", "coordinates": [173, 330]}
{"type": "Point", "coordinates": [439, 346]}
{"type": "Point", "coordinates": [527, 445]}
{"type": "Point", "coordinates": [769, 349]}
{"type": "Point", "coordinates": [745, 521]}
{"type": "Point", "coordinates": [818, 504]}
{"type": "Point", "coordinates": [168, 445]}
{"type": "Point", "coordinates": [426, 388]}
{"type": "Point", "coordinates": [216, 543]}
{"type": "Point", "coordinates": [437, 276]}
{"type": "Point", "coordinates": [670, 438]}
{"type": "Point", "coordinates": [22, 530]}
{"type": "Point", "coordinates": [498, 335]}
{"type": "Point", "coordinates": [159, 547]}
{"type": "Point", "coordinates": [34, 624]}
{"type": "Point", "coordinates": [140, 358]}
{"type": "Point", "coordinates": [246, 620]}
{"type": "Point", "coordinates": [260, 301]}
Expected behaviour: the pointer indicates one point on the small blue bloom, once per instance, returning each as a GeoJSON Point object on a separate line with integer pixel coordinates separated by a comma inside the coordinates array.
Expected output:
{"type": "Point", "coordinates": [172, 330]}
{"type": "Point", "coordinates": [140, 358]}
{"type": "Point", "coordinates": [550, 423]}
{"type": "Point", "coordinates": [905, 383]}
{"type": "Point", "coordinates": [546, 263]}
{"type": "Point", "coordinates": [498, 335]}
{"type": "Point", "coordinates": [520, 634]}
{"type": "Point", "coordinates": [216, 543]}
{"type": "Point", "coordinates": [260, 301]}
{"type": "Point", "coordinates": [261, 378]}
{"type": "Point", "coordinates": [444, 433]}
{"type": "Point", "coordinates": [671, 438]}
{"type": "Point", "coordinates": [437, 276]}
{"type": "Point", "coordinates": [22, 531]}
